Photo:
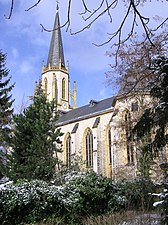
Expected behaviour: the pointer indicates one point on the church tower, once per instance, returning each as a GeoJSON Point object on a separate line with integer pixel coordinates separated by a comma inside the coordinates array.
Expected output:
{"type": "Point", "coordinates": [55, 75]}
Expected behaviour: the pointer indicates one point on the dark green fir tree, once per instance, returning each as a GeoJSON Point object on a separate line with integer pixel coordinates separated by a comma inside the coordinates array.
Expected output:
{"type": "Point", "coordinates": [36, 142]}
{"type": "Point", "coordinates": [156, 117]}
{"type": "Point", "coordinates": [6, 109]}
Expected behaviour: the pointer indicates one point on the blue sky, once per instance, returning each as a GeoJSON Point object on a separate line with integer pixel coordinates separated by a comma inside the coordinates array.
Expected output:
{"type": "Point", "coordinates": [26, 47]}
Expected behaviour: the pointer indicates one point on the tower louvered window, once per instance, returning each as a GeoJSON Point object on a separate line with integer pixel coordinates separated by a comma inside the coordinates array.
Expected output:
{"type": "Point", "coordinates": [68, 150]}
{"type": "Point", "coordinates": [129, 144]}
{"type": "Point", "coordinates": [63, 88]}
{"type": "Point", "coordinates": [89, 148]}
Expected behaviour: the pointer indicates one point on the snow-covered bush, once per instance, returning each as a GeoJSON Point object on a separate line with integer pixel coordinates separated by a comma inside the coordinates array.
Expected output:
{"type": "Point", "coordinates": [28, 202]}
{"type": "Point", "coordinates": [162, 202]}
{"type": "Point", "coordinates": [82, 195]}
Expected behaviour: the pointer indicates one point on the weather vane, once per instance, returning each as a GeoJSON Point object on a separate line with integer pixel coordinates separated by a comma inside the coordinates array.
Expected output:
{"type": "Point", "coordinates": [57, 3]}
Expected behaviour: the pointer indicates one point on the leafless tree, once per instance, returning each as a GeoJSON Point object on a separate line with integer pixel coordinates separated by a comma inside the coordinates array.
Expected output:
{"type": "Point", "coordinates": [134, 68]}
{"type": "Point", "coordinates": [95, 10]}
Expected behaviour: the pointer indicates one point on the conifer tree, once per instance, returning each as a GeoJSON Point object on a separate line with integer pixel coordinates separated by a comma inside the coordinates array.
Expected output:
{"type": "Point", "coordinates": [35, 142]}
{"type": "Point", "coordinates": [156, 117]}
{"type": "Point", "coordinates": [6, 109]}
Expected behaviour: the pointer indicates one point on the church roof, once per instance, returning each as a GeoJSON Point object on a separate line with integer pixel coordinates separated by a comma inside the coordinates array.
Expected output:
{"type": "Point", "coordinates": [86, 111]}
{"type": "Point", "coordinates": [56, 53]}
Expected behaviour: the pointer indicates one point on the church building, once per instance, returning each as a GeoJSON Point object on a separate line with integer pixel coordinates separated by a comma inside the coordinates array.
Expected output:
{"type": "Point", "coordinates": [97, 133]}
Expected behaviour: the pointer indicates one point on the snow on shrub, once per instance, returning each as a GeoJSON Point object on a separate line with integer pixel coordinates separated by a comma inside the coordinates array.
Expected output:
{"type": "Point", "coordinates": [28, 201]}
{"type": "Point", "coordinates": [81, 195]}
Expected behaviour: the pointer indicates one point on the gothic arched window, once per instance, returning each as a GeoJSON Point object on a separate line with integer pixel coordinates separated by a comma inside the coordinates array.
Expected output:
{"type": "Point", "coordinates": [129, 144]}
{"type": "Point", "coordinates": [45, 85]}
{"type": "Point", "coordinates": [63, 88]}
{"type": "Point", "coordinates": [109, 145]}
{"type": "Point", "coordinates": [68, 150]}
{"type": "Point", "coordinates": [89, 148]}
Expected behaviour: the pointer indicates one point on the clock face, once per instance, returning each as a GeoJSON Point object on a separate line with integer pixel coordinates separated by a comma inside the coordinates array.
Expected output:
{"type": "Point", "coordinates": [64, 105]}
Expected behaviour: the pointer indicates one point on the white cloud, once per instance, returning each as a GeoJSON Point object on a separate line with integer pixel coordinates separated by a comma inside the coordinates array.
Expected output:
{"type": "Point", "coordinates": [26, 67]}
{"type": "Point", "coordinates": [102, 93]}
{"type": "Point", "coordinates": [15, 53]}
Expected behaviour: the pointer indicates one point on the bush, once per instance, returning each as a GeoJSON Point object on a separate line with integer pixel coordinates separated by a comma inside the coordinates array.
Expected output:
{"type": "Point", "coordinates": [137, 194]}
{"type": "Point", "coordinates": [28, 202]}
{"type": "Point", "coordinates": [87, 194]}
{"type": "Point", "coordinates": [82, 195]}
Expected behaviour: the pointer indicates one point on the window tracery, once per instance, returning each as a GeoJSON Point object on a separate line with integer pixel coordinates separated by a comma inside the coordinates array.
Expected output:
{"type": "Point", "coordinates": [68, 150]}
{"type": "Point", "coordinates": [129, 144]}
{"type": "Point", "coordinates": [89, 148]}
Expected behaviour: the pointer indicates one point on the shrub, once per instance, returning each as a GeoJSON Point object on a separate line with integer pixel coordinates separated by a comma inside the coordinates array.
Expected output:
{"type": "Point", "coordinates": [89, 194]}
{"type": "Point", "coordinates": [28, 202]}
{"type": "Point", "coordinates": [137, 194]}
{"type": "Point", "coordinates": [81, 196]}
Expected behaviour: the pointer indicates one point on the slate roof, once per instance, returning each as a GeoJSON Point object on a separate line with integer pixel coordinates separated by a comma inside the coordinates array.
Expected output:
{"type": "Point", "coordinates": [95, 107]}
{"type": "Point", "coordinates": [56, 53]}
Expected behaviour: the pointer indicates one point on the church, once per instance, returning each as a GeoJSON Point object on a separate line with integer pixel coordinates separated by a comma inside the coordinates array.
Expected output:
{"type": "Point", "coordinates": [97, 133]}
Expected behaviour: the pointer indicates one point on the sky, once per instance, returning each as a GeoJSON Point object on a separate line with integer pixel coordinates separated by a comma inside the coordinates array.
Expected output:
{"type": "Point", "coordinates": [27, 46]}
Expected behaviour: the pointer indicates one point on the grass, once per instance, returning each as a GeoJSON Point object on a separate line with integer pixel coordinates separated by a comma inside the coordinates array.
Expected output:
{"type": "Point", "coordinates": [123, 218]}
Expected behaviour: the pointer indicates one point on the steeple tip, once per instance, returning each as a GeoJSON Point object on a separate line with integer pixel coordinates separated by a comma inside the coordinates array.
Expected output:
{"type": "Point", "coordinates": [56, 53]}
{"type": "Point", "coordinates": [57, 7]}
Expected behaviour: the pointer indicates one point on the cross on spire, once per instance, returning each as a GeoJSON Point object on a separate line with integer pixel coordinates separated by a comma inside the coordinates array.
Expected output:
{"type": "Point", "coordinates": [57, 4]}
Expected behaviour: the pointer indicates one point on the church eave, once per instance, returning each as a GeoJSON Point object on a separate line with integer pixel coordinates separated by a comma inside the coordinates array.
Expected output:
{"type": "Point", "coordinates": [84, 117]}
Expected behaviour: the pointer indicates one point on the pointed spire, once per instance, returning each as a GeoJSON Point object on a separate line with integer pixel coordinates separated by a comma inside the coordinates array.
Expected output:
{"type": "Point", "coordinates": [56, 53]}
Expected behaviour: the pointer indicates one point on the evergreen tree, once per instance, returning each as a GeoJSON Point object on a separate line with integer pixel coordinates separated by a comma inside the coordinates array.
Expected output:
{"type": "Point", "coordinates": [156, 117]}
{"type": "Point", "coordinates": [6, 109]}
{"type": "Point", "coordinates": [35, 142]}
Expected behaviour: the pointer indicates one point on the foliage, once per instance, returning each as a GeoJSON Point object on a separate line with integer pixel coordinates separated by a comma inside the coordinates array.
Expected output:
{"type": "Point", "coordinates": [144, 158]}
{"type": "Point", "coordinates": [65, 172]}
{"type": "Point", "coordinates": [156, 117]}
{"type": "Point", "coordinates": [35, 142]}
{"type": "Point", "coordinates": [155, 120]}
{"type": "Point", "coordinates": [5, 104]}
{"type": "Point", "coordinates": [164, 205]}
{"type": "Point", "coordinates": [28, 202]}
{"type": "Point", "coordinates": [163, 196]}
{"type": "Point", "coordinates": [83, 195]}
{"type": "Point", "coordinates": [136, 194]}
{"type": "Point", "coordinates": [93, 194]}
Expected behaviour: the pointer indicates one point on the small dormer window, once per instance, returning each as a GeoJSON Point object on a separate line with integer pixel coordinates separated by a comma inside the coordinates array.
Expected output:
{"type": "Point", "coordinates": [92, 103]}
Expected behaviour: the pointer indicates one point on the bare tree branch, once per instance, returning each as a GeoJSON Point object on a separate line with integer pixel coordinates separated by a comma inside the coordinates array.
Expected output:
{"type": "Point", "coordinates": [67, 23]}
{"type": "Point", "coordinates": [94, 12]}
{"type": "Point", "coordinates": [11, 10]}
{"type": "Point", "coordinates": [95, 19]}
{"type": "Point", "coordinates": [135, 63]}
{"type": "Point", "coordinates": [36, 4]}
{"type": "Point", "coordinates": [107, 7]}
{"type": "Point", "coordinates": [160, 25]}
{"type": "Point", "coordinates": [85, 7]}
